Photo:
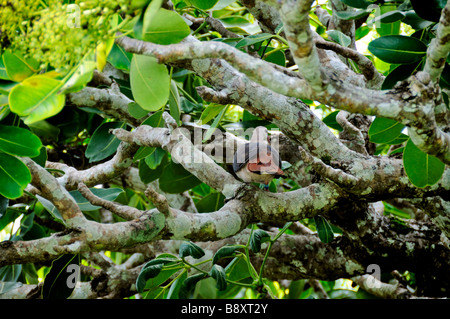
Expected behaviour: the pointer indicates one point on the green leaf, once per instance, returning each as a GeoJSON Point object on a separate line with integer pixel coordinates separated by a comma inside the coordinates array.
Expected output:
{"type": "Point", "coordinates": [176, 286]}
{"type": "Point", "coordinates": [19, 141]}
{"type": "Point", "coordinates": [352, 15]}
{"type": "Point", "coordinates": [36, 98]}
{"type": "Point", "coordinates": [59, 283]}
{"type": "Point", "coordinates": [214, 125]}
{"type": "Point", "coordinates": [82, 74]}
{"type": "Point", "coordinates": [108, 194]}
{"type": "Point", "coordinates": [3, 74]}
{"type": "Point", "coordinates": [14, 175]}
{"type": "Point", "coordinates": [174, 102]}
{"type": "Point", "coordinates": [17, 67]}
{"type": "Point", "coordinates": [360, 4]}
{"type": "Point", "coordinates": [240, 24]}
{"type": "Point", "coordinates": [253, 39]}
{"type": "Point", "coordinates": [330, 121]}
{"type": "Point", "coordinates": [148, 175]}
{"type": "Point", "coordinates": [238, 269]}
{"type": "Point", "coordinates": [398, 49]}
{"type": "Point", "coordinates": [339, 37]}
{"type": "Point", "coordinates": [119, 58]}
{"type": "Point", "coordinates": [188, 248]}
{"type": "Point", "coordinates": [384, 130]}
{"type": "Point", "coordinates": [188, 285]}
{"type": "Point", "coordinates": [324, 229]}
{"type": "Point", "coordinates": [210, 112]}
{"type": "Point", "coordinates": [103, 143]}
{"type": "Point", "coordinates": [166, 27]}
{"type": "Point", "coordinates": [225, 251]}
{"type": "Point", "coordinates": [175, 179]}
{"type": "Point", "coordinates": [48, 205]}
{"type": "Point", "coordinates": [415, 21]}
{"type": "Point", "coordinates": [136, 111]}
{"type": "Point", "coordinates": [400, 73]}
{"type": "Point", "coordinates": [149, 15]}
{"type": "Point", "coordinates": [259, 237]}
{"type": "Point", "coordinates": [218, 273]}
{"type": "Point", "coordinates": [155, 158]}
{"type": "Point", "coordinates": [155, 120]}
{"type": "Point", "coordinates": [276, 57]}
{"type": "Point", "coordinates": [147, 273]}
{"type": "Point", "coordinates": [10, 273]}
{"type": "Point", "coordinates": [210, 203]}
{"type": "Point", "coordinates": [204, 4]}
{"type": "Point", "coordinates": [422, 169]}
{"type": "Point", "coordinates": [429, 10]}
{"type": "Point", "coordinates": [149, 82]}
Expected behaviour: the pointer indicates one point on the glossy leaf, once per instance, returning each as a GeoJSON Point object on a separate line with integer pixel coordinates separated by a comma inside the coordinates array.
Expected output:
{"type": "Point", "coordinates": [147, 273]}
{"type": "Point", "coordinates": [175, 179]}
{"type": "Point", "coordinates": [210, 203]}
{"type": "Point", "coordinates": [204, 4]}
{"type": "Point", "coordinates": [210, 112]}
{"type": "Point", "coordinates": [330, 120]}
{"type": "Point", "coordinates": [102, 143]}
{"type": "Point", "coordinates": [59, 282]}
{"type": "Point", "coordinates": [17, 67]}
{"type": "Point", "coordinates": [324, 229]}
{"type": "Point", "coordinates": [175, 102]}
{"type": "Point", "coordinates": [119, 58]}
{"type": "Point", "coordinates": [238, 269]}
{"type": "Point", "coordinates": [48, 205]}
{"type": "Point", "coordinates": [14, 175]}
{"type": "Point", "coordinates": [188, 285]}
{"type": "Point", "coordinates": [384, 130]}
{"type": "Point", "coordinates": [361, 4]}
{"type": "Point", "coordinates": [339, 37]}
{"type": "Point", "coordinates": [429, 10]}
{"type": "Point", "coordinates": [148, 175]}
{"type": "Point", "coordinates": [176, 286]}
{"type": "Point", "coordinates": [36, 98]}
{"type": "Point", "coordinates": [82, 74]}
{"type": "Point", "coordinates": [188, 248]}
{"type": "Point", "coordinates": [259, 237]}
{"type": "Point", "coordinates": [19, 141]}
{"type": "Point", "coordinates": [218, 273]}
{"type": "Point", "coordinates": [149, 82]}
{"type": "Point", "coordinates": [166, 27]}
{"type": "Point", "coordinates": [253, 39]}
{"type": "Point", "coordinates": [422, 169]}
{"type": "Point", "coordinates": [400, 73]}
{"type": "Point", "coordinates": [108, 194]}
{"type": "Point", "coordinates": [225, 251]}
{"type": "Point", "coordinates": [155, 158]}
{"type": "Point", "coordinates": [398, 49]}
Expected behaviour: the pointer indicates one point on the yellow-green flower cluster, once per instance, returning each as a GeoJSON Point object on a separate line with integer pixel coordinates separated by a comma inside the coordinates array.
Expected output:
{"type": "Point", "coordinates": [56, 33]}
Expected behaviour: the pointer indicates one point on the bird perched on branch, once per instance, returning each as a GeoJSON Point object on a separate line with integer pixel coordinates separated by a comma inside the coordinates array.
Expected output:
{"type": "Point", "coordinates": [256, 161]}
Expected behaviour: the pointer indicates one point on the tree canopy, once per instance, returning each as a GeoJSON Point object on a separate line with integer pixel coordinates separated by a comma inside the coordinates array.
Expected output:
{"type": "Point", "coordinates": [119, 121]}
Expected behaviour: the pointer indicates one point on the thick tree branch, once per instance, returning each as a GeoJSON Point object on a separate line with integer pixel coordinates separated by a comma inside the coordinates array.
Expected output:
{"type": "Point", "coordinates": [439, 47]}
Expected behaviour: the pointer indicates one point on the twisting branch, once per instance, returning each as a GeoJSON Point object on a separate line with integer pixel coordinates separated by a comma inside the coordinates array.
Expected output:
{"type": "Point", "coordinates": [158, 200]}
{"type": "Point", "coordinates": [125, 212]}
{"type": "Point", "coordinates": [184, 152]}
{"type": "Point", "coordinates": [100, 173]}
{"type": "Point", "coordinates": [366, 66]}
{"type": "Point", "coordinates": [339, 177]}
